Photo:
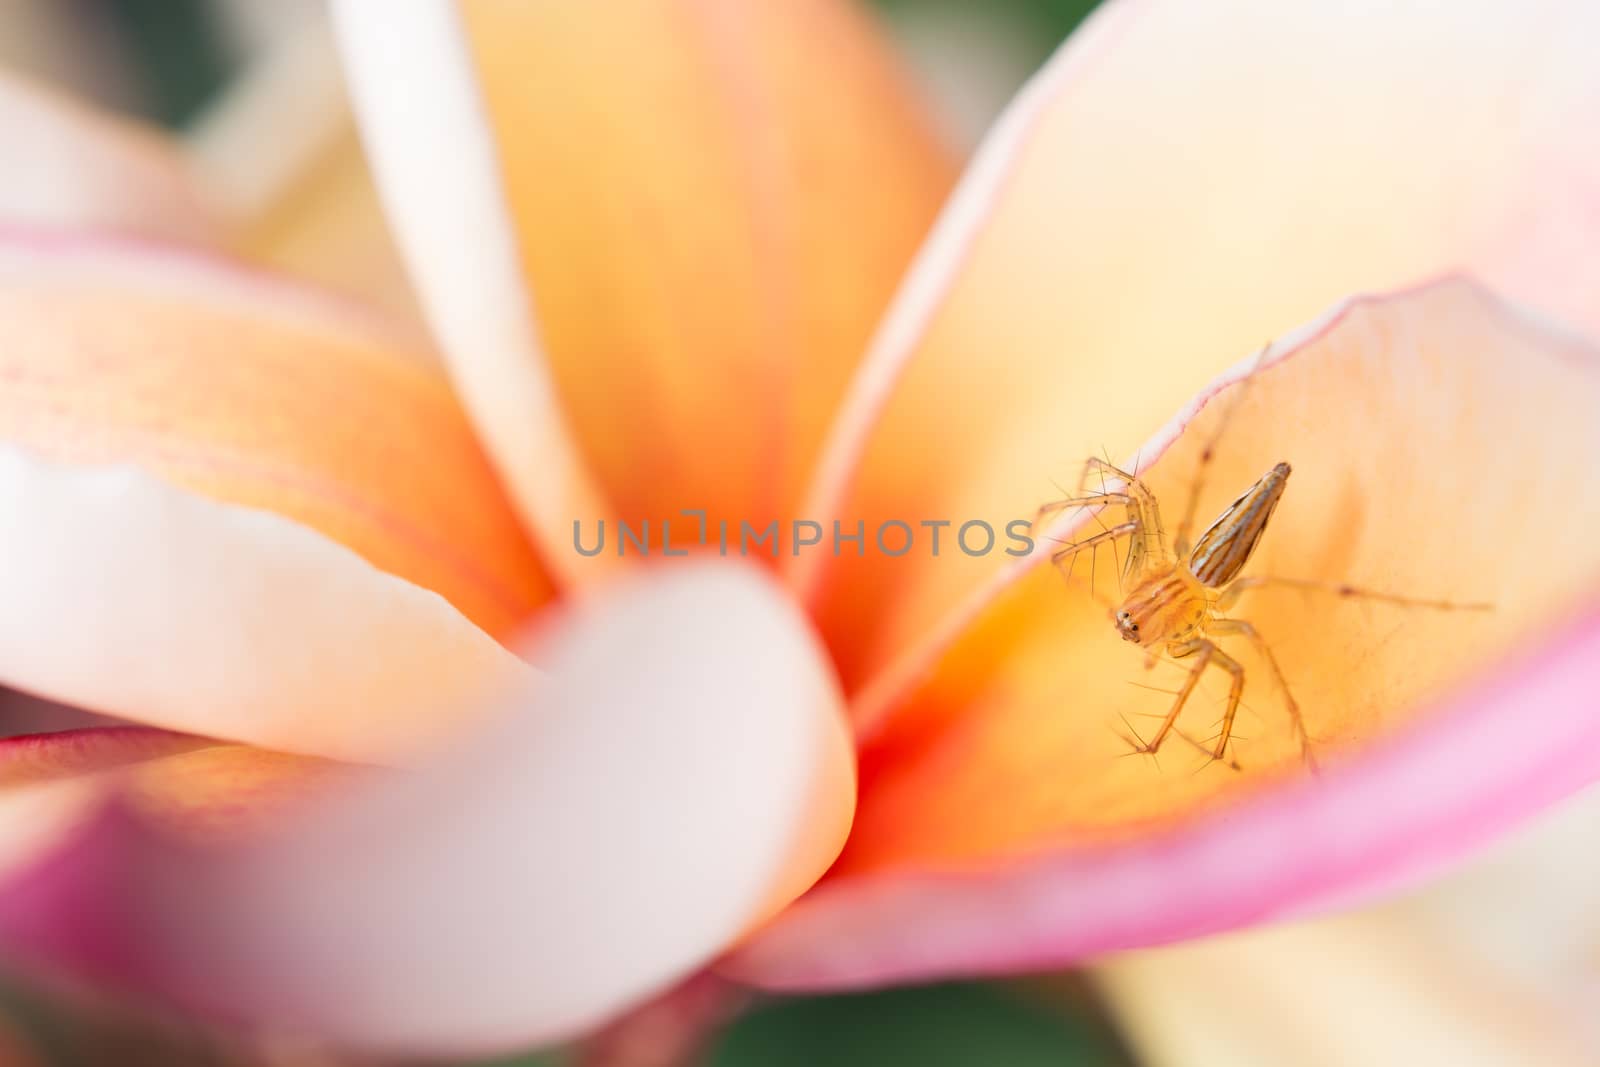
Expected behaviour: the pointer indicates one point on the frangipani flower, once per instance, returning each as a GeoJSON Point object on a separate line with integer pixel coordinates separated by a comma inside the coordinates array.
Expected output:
{"type": "Point", "coordinates": [653, 240]}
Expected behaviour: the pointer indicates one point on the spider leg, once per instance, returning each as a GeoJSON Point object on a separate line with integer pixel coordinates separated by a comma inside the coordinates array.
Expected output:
{"type": "Point", "coordinates": [1237, 588]}
{"type": "Point", "coordinates": [1249, 632]}
{"type": "Point", "coordinates": [1203, 651]}
{"type": "Point", "coordinates": [1101, 467]}
{"type": "Point", "coordinates": [1235, 691]}
{"type": "Point", "coordinates": [1131, 494]}
{"type": "Point", "coordinates": [1089, 500]}
{"type": "Point", "coordinates": [1186, 523]}
{"type": "Point", "coordinates": [1110, 533]}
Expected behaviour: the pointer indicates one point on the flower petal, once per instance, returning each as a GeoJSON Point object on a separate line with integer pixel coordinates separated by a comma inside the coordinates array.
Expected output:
{"type": "Point", "coordinates": [207, 469]}
{"type": "Point", "coordinates": [32, 758]}
{"type": "Point", "coordinates": [706, 227]}
{"type": "Point", "coordinates": [140, 600]}
{"type": "Point", "coordinates": [686, 772]}
{"type": "Point", "coordinates": [69, 166]}
{"type": "Point", "coordinates": [327, 227]}
{"type": "Point", "coordinates": [1441, 447]}
{"type": "Point", "coordinates": [254, 392]}
{"type": "Point", "coordinates": [1181, 184]}
{"type": "Point", "coordinates": [1291, 993]}
{"type": "Point", "coordinates": [52, 784]}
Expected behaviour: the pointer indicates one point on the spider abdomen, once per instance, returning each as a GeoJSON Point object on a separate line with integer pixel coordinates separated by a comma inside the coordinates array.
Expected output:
{"type": "Point", "coordinates": [1224, 549]}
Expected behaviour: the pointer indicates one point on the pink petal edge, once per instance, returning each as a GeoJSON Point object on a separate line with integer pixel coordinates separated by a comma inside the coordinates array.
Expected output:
{"type": "Point", "coordinates": [872, 705]}
{"type": "Point", "coordinates": [151, 261]}
{"type": "Point", "coordinates": [1468, 771]}
{"type": "Point", "coordinates": [1469, 768]}
{"type": "Point", "coordinates": [88, 748]}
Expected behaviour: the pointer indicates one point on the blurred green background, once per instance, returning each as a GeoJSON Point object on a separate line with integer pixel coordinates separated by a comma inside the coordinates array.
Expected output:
{"type": "Point", "coordinates": [1050, 1023]}
{"type": "Point", "coordinates": [958, 1025]}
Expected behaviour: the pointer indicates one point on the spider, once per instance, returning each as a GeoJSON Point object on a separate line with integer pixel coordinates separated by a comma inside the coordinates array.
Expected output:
{"type": "Point", "coordinates": [1178, 594]}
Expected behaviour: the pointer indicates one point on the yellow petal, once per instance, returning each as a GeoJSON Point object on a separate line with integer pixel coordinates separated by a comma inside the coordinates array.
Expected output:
{"type": "Point", "coordinates": [709, 204]}
{"type": "Point", "coordinates": [257, 393]}
{"type": "Point", "coordinates": [236, 509]}
{"type": "Point", "coordinates": [131, 597]}
{"type": "Point", "coordinates": [205, 791]}
{"type": "Point", "coordinates": [232, 792]}
{"type": "Point", "coordinates": [1441, 448]}
{"type": "Point", "coordinates": [1182, 184]}
{"type": "Point", "coordinates": [30, 759]}
{"type": "Point", "coordinates": [327, 227]}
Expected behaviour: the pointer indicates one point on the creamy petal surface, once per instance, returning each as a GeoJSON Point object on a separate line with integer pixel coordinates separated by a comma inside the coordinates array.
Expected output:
{"type": "Point", "coordinates": [1182, 184]}
{"type": "Point", "coordinates": [684, 219]}
{"type": "Point", "coordinates": [235, 509]}
{"type": "Point", "coordinates": [1442, 447]}
{"type": "Point", "coordinates": [685, 773]}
